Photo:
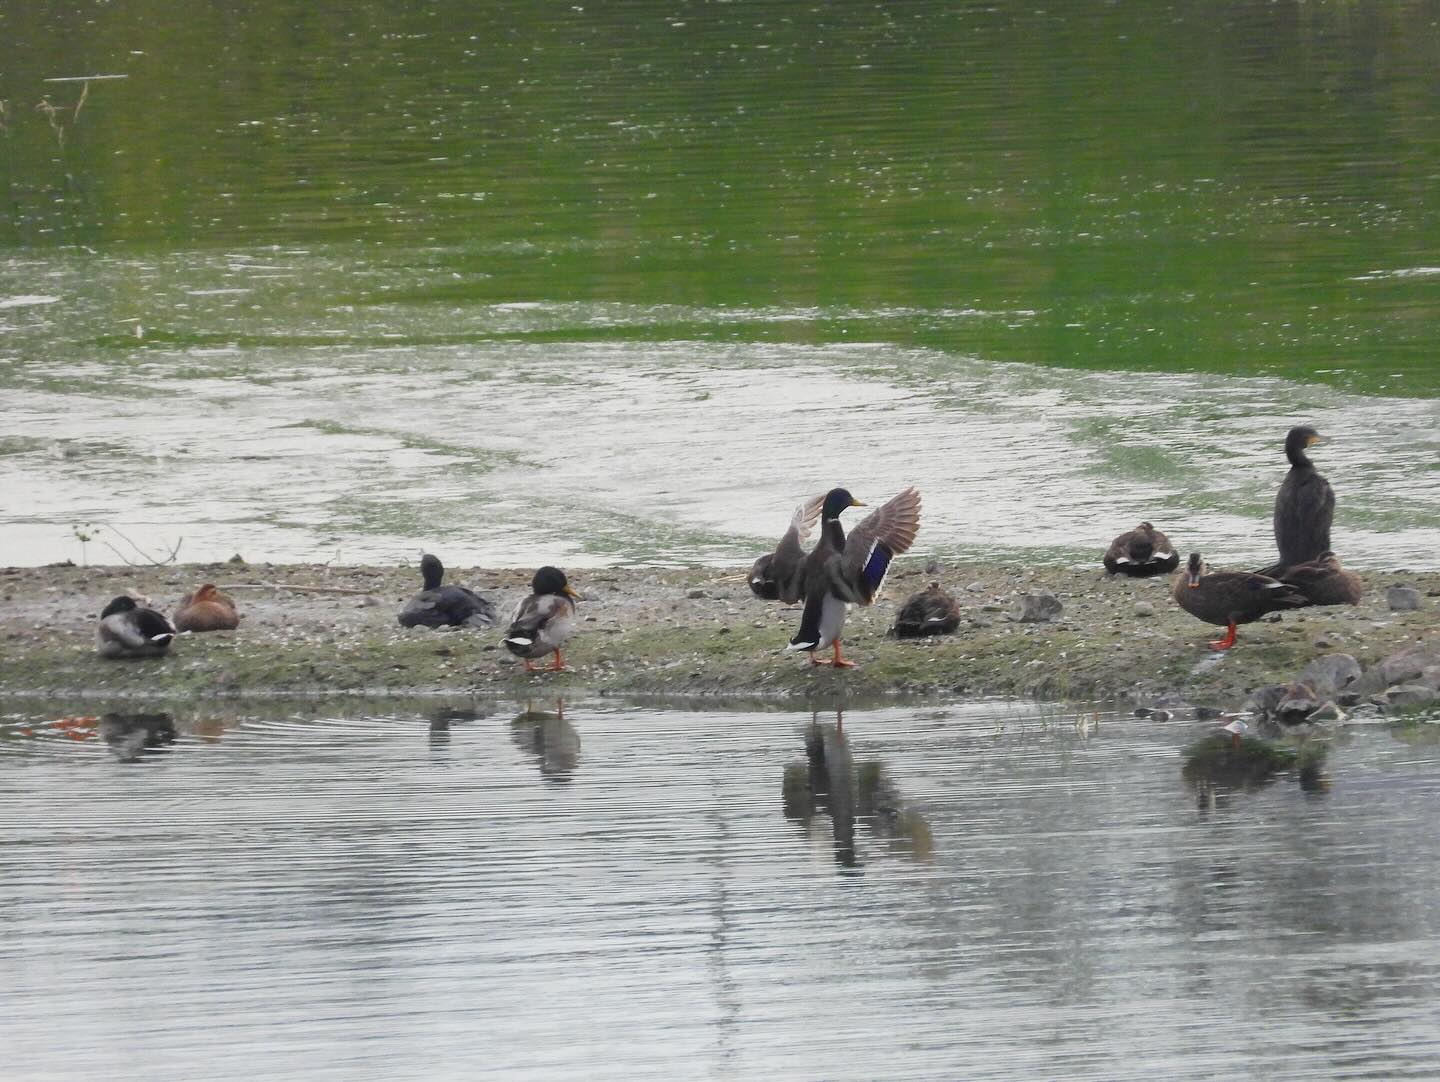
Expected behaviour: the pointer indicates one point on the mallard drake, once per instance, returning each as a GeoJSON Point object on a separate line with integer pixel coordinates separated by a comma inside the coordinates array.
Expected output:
{"type": "Point", "coordinates": [780, 575]}
{"type": "Point", "coordinates": [1304, 505]}
{"type": "Point", "coordinates": [543, 622]}
{"type": "Point", "coordinates": [207, 609]}
{"type": "Point", "coordinates": [1141, 552]}
{"type": "Point", "coordinates": [444, 606]}
{"type": "Point", "coordinates": [842, 571]}
{"type": "Point", "coordinates": [933, 611]}
{"type": "Point", "coordinates": [1324, 582]}
{"type": "Point", "coordinates": [128, 631]}
{"type": "Point", "coordinates": [1229, 598]}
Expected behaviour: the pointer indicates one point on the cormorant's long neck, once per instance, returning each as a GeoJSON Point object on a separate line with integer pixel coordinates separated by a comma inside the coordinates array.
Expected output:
{"type": "Point", "coordinates": [1297, 456]}
{"type": "Point", "coordinates": [833, 533]}
{"type": "Point", "coordinates": [433, 577]}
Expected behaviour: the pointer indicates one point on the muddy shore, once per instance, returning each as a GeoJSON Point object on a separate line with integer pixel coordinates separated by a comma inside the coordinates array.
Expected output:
{"type": "Point", "coordinates": [313, 630]}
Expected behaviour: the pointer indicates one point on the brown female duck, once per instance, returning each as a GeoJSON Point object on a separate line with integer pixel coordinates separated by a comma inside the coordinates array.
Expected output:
{"type": "Point", "coordinates": [1229, 598]}
{"type": "Point", "coordinates": [1141, 552]}
{"type": "Point", "coordinates": [1324, 582]}
{"type": "Point", "coordinates": [207, 609]}
{"type": "Point", "coordinates": [933, 611]}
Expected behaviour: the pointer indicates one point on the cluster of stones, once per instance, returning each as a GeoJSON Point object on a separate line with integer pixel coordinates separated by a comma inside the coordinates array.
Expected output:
{"type": "Point", "coordinates": [1333, 682]}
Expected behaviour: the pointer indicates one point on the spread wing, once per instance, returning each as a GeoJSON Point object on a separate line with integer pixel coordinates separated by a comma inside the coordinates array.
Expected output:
{"type": "Point", "coordinates": [885, 533]}
{"type": "Point", "coordinates": [802, 522]}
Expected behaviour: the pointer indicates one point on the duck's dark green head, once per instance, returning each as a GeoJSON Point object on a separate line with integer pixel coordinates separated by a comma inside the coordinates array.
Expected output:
{"type": "Point", "coordinates": [119, 604]}
{"type": "Point", "coordinates": [1193, 570]}
{"type": "Point", "coordinates": [836, 500]}
{"type": "Point", "coordinates": [432, 571]}
{"type": "Point", "coordinates": [551, 580]}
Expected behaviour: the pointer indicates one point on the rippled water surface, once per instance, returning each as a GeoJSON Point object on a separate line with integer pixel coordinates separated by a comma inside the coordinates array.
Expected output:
{"type": "Point", "coordinates": [590, 890]}
{"type": "Point", "coordinates": [622, 283]}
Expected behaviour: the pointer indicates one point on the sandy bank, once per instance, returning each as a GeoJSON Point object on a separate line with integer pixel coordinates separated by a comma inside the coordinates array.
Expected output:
{"type": "Point", "coordinates": [677, 632]}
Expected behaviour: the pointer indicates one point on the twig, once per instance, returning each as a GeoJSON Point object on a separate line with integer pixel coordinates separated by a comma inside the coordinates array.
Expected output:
{"type": "Point", "coordinates": [300, 587]}
{"type": "Point", "coordinates": [169, 558]}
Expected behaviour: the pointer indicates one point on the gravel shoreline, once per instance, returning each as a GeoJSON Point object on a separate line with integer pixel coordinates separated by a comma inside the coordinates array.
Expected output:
{"type": "Point", "coordinates": [691, 632]}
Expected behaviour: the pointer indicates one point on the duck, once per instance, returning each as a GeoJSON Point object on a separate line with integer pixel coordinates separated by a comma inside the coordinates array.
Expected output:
{"type": "Point", "coordinates": [1323, 581]}
{"type": "Point", "coordinates": [545, 620]}
{"type": "Point", "coordinates": [1141, 552]}
{"type": "Point", "coordinates": [1304, 505]}
{"type": "Point", "coordinates": [207, 609]}
{"type": "Point", "coordinates": [842, 571]}
{"type": "Point", "coordinates": [444, 606]}
{"type": "Point", "coordinates": [128, 630]}
{"type": "Point", "coordinates": [933, 611]}
{"type": "Point", "coordinates": [780, 575]}
{"type": "Point", "coordinates": [1230, 598]}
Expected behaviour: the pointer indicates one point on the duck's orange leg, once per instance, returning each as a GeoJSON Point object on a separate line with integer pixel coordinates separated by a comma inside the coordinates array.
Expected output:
{"type": "Point", "coordinates": [840, 662]}
{"type": "Point", "coordinates": [558, 665]}
{"type": "Point", "coordinates": [528, 666]}
{"type": "Point", "coordinates": [1228, 641]}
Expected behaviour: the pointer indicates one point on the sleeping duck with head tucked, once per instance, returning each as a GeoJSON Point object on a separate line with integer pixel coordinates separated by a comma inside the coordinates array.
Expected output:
{"type": "Point", "coordinates": [841, 571]}
{"type": "Point", "coordinates": [207, 609]}
{"type": "Point", "coordinates": [1141, 552]}
{"type": "Point", "coordinates": [129, 630]}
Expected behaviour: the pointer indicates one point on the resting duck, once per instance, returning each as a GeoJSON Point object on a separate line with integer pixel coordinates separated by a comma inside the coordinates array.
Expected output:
{"type": "Point", "coordinates": [842, 571]}
{"type": "Point", "coordinates": [207, 609]}
{"type": "Point", "coordinates": [543, 622]}
{"type": "Point", "coordinates": [1324, 582]}
{"type": "Point", "coordinates": [127, 631]}
{"type": "Point", "coordinates": [933, 611]}
{"type": "Point", "coordinates": [1304, 506]}
{"type": "Point", "coordinates": [1141, 552]}
{"type": "Point", "coordinates": [444, 606]}
{"type": "Point", "coordinates": [780, 575]}
{"type": "Point", "coordinates": [1229, 598]}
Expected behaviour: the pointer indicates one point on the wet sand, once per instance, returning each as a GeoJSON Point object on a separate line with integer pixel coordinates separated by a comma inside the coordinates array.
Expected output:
{"type": "Point", "coordinates": [678, 632]}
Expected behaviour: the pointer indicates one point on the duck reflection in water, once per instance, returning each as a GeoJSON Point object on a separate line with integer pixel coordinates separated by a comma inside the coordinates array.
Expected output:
{"type": "Point", "coordinates": [446, 716]}
{"type": "Point", "coordinates": [132, 737]}
{"type": "Point", "coordinates": [553, 741]}
{"type": "Point", "coordinates": [831, 782]}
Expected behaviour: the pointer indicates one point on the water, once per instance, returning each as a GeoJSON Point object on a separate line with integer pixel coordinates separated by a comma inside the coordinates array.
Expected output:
{"type": "Point", "coordinates": [621, 283]}
{"type": "Point", "coordinates": [605, 891]}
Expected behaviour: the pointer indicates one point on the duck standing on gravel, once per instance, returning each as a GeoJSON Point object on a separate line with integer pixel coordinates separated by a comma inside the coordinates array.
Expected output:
{"type": "Point", "coordinates": [780, 575]}
{"type": "Point", "coordinates": [207, 609]}
{"type": "Point", "coordinates": [1304, 505]}
{"type": "Point", "coordinates": [543, 622]}
{"type": "Point", "coordinates": [1141, 552]}
{"type": "Point", "coordinates": [444, 606]}
{"type": "Point", "coordinates": [1230, 598]}
{"type": "Point", "coordinates": [128, 630]}
{"type": "Point", "coordinates": [842, 571]}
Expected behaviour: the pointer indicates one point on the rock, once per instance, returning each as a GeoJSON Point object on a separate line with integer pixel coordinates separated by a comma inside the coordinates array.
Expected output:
{"type": "Point", "coordinates": [236, 559]}
{"type": "Point", "coordinates": [1431, 676]}
{"type": "Point", "coordinates": [1265, 699]}
{"type": "Point", "coordinates": [367, 602]}
{"type": "Point", "coordinates": [696, 593]}
{"type": "Point", "coordinates": [1297, 706]}
{"type": "Point", "coordinates": [1411, 695]}
{"type": "Point", "coordinates": [1331, 673]}
{"type": "Point", "coordinates": [1144, 608]}
{"type": "Point", "coordinates": [932, 566]}
{"type": "Point", "coordinates": [1037, 608]}
{"type": "Point", "coordinates": [1402, 598]}
{"type": "Point", "coordinates": [975, 588]}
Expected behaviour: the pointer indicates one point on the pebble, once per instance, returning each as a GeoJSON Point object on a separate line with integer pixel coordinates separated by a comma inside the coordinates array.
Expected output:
{"type": "Point", "coordinates": [1144, 608]}
{"type": "Point", "coordinates": [696, 593]}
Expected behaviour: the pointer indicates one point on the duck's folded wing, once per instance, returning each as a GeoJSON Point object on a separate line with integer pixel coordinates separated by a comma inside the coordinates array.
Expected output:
{"type": "Point", "coordinates": [885, 533]}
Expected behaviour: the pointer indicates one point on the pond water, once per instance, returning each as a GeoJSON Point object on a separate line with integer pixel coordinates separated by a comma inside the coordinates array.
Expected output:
{"type": "Point", "coordinates": [602, 890]}
{"type": "Point", "coordinates": [621, 283]}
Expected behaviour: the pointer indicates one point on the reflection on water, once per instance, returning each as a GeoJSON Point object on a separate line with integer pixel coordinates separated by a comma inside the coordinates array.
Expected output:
{"type": "Point", "coordinates": [344, 897]}
{"type": "Point", "coordinates": [553, 741]}
{"type": "Point", "coordinates": [131, 737]}
{"type": "Point", "coordinates": [831, 784]}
